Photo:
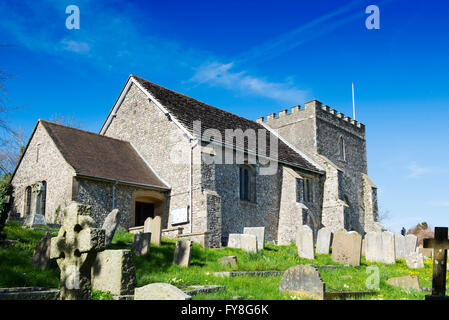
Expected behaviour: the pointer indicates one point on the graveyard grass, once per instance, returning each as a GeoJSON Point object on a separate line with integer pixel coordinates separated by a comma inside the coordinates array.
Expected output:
{"type": "Point", "coordinates": [16, 269]}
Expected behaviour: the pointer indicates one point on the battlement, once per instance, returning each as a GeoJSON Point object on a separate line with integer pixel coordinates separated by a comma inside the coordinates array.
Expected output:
{"type": "Point", "coordinates": [314, 104]}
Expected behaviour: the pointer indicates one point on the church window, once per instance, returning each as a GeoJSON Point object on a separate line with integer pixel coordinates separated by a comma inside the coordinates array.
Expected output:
{"type": "Point", "coordinates": [28, 201]}
{"type": "Point", "coordinates": [304, 190]}
{"type": "Point", "coordinates": [43, 198]}
{"type": "Point", "coordinates": [341, 146]}
{"type": "Point", "coordinates": [341, 186]}
{"type": "Point", "coordinates": [247, 183]}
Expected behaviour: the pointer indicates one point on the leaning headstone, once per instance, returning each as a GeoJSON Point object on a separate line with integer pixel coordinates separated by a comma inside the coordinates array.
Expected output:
{"type": "Point", "coordinates": [228, 261]}
{"type": "Point", "coordinates": [34, 220]}
{"type": "Point", "coordinates": [41, 255]}
{"type": "Point", "coordinates": [152, 226]}
{"type": "Point", "coordinates": [304, 242]}
{"type": "Point", "coordinates": [347, 247]}
{"type": "Point", "coordinates": [113, 271]}
{"type": "Point", "coordinates": [405, 282]}
{"type": "Point", "coordinates": [141, 243]}
{"type": "Point", "coordinates": [75, 249]}
{"type": "Point", "coordinates": [160, 291]}
{"type": "Point", "coordinates": [400, 246]}
{"type": "Point", "coordinates": [304, 281]}
{"type": "Point", "coordinates": [388, 255]}
{"type": "Point", "coordinates": [323, 241]}
{"type": "Point", "coordinates": [410, 243]}
{"type": "Point", "coordinates": [259, 232]}
{"type": "Point", "coordinates": [248, 243]}
{"type": "Point", "coordinates": [234, 241]}
{"type": "Point", "coordinates": [182, 253]}
{"type": "Point", "coordinates": [110, 224]}
{"type": "Point", "coordinates": [415, 260]}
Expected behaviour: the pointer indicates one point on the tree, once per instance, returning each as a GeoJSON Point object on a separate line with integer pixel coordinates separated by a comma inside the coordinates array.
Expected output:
{"type": "Point", "coordinates": [66, 120]}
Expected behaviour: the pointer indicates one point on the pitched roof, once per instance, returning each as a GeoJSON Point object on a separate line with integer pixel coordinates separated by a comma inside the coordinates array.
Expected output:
{"type": "Point", "coordinates": [91, 154]}
{"type": "Point", "coordinates": [187, 110]}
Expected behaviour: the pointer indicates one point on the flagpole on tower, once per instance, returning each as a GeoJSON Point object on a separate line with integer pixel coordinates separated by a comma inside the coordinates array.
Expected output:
{"type": "Point", "coordinates": [353, 102]}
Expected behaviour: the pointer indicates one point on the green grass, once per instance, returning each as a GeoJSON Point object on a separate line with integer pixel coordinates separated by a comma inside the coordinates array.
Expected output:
{"type": "Point", "coordinates": [16, 269]}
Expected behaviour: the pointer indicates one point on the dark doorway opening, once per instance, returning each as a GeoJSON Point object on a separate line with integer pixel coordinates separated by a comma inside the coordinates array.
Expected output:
{"type": "Point", "coordinates": [143, 211]}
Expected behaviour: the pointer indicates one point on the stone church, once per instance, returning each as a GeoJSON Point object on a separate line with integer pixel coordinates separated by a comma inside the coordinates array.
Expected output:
{"type": "Point", "coordinates": [201, 173]}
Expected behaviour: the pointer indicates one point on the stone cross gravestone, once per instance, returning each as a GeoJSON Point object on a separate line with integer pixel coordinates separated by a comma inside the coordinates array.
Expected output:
{"type": "Point", "coordinates": [75, 249]}
{"type": "Point", "coordinates": [182, 253]}
{"type": "Point", "coordinates": [259, 232]}
{"type": "Point", "coordinates": [304, 242]}
{"type": "Point", "coordinates": [323, 241]}
{"type": "Point", "coordinates": [347, 247]}
{"type": "Point", "coordinates": [440, 244]}
{"type": "Point", "coordinates": [110, 224]}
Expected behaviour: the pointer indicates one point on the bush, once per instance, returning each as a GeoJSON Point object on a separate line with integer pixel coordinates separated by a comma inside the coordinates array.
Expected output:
{"type": "Point", "coordinates": [5, 203]}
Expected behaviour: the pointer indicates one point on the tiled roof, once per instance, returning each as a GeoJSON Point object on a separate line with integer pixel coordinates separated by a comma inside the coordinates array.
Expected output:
{"type": "Point", "coordinates": [187, 110]}
{"type": "Point", "coordinates": [92, 154]}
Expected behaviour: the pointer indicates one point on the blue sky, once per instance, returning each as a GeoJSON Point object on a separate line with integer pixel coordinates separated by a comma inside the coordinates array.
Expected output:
{"type": "Point", "coordinates": [253, 58]}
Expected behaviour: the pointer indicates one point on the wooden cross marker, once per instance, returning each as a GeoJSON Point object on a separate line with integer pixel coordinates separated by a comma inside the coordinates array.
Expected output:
{"type": "Point", "coordinates": [440, 245]}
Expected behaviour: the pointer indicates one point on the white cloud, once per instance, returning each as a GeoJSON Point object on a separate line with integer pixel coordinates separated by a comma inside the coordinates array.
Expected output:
{"type": "Point", "coordinates": [75, 46]}
{"type": "Point", "coordinates": [440, 203]}
{"type": "Point", "coordinates": [417, 171]}
{"type": "Point", "coordinates": [219, 74]}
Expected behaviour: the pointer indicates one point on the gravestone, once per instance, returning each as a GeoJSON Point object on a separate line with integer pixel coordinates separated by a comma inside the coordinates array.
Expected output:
{"type": "Point", "coordinates": [439, 244]}
{"type": "Point", "coordinates": [259, 232]}
{"type": "Point", "coordinates": [347, 247]}
{"type": "Point", "coordinates": [41, 255]}
{"type": "Point", "coordinates": [405, 282]}
{"type": "Point", "coordinates": [400, 246]}
{"type": "Point", "coordinates": [34, 220]}
{"type": "Point", "coordinates": [234, 241]}
{"type": "Point", "coordinates": [182, 253]}
{"type": "Point", "coordinates": [110, 224]}
{"type": "Point", "coordinates": [304, 242]}
{"type": "Point", "coordinates": [153, 226]}
{"type": "Point", "coordinates": [248, 243]}
{"type": "Point", "coordinates": [415, 260]}
{"type": "Point", "coordinates": [410, 243]}
{"type": "Point", "coordinates": [323, 241]}
{"type": "Point", "coordinates": [141, 243]}
{"type": "Point", "coordinates": [304, 281]}
{"type": "Point", "coordinates": [426, 252]}
{"type": "Point", "coordinates": [373, 246]}
{"type": "Point", "coordinates": [388, 255]}
{"type": "Point", "coordinates": [160, 291]}
{"type": "Point", "coordinates": [75, 249]}
{"type": "Point", "coordinates": [113, 271]}
{"type": "Point", "coordinates": [229, 260]}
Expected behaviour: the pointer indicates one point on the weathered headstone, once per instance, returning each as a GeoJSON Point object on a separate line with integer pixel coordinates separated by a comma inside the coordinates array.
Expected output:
{"type": "Point", "coordinates": [410, 243]}
{"type": "Point", "coordinates": [160, 291]}
{"type": "Point", "coordinates": [229, 260]}
{"type": "Point", "coordinates": [323, 241]}
{"type": "Point", "coordinates": [405, 282]}
{"type": "Point", "coordinates": [110, 224]}
{"type": "Point", "coordinates": [34, 220]}
{"type": "Point", "coordinates": [153, 226]}
{"type": "Point", "coordinates": [141, 243]}
{"type": "Point", "coordinates": [248, 243]}
{"type": "Point", "coordinates": [234, 241]}
{"type": "Point", "coordinates": [41, 255]}
{"type": "Point", "coordinates": [415, 260]}
{"type": "Point", "coordinates": [75, 249]}
{"type": "Point", "coordinates": [304, 242]}
{"type": "Point", "coordinates": [259, 232]}
{"type": "Point", "coordinates": [388, 255]}
{"type": "Point", "coordinates": [426, 252]}
{"type": "Point", "coordinates": [440, 245]}
{"type": "Point", "coordinates": [347, 247]}
{"type": "Point", "coordinates": [373, 246]}
{"type": "Point", "coordinates": [304, 281]}
{"type": "Point", "coordinates": [400, 246]}
{"type": "Point", "coordinates": [113, 271]}
{"type": "Point", "coordinates": [182, 253]}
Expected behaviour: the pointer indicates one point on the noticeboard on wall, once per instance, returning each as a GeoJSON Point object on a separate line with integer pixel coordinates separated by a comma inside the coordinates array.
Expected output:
{"type": "Point", "coordinates": [179, 215]}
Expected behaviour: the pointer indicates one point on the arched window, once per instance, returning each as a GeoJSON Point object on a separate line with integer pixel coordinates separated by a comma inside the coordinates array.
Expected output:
{"type": "Point", "coordinates": [341, 148]}
{"type": "Point", "coordinates": [28, 201]}
{"type": "Point", "coordinates": [247, 183]}
{"type": "Point", "coordinates": [43, 199]}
